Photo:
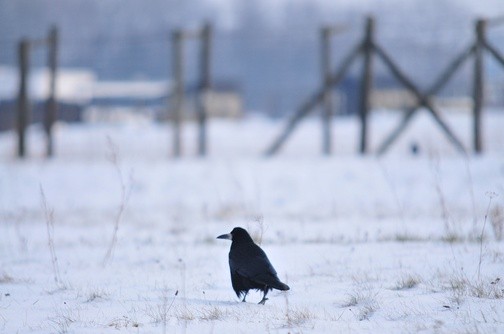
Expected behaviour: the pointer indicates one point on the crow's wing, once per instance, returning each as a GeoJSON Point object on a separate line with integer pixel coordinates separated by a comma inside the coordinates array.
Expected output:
{"type": "Point", "coordinates": [250, 261]}
{"type": "Point", "coordinates": [239, 286]}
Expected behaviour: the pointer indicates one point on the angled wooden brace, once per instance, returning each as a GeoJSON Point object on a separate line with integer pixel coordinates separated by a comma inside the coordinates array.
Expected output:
{"type": "Point", "coordinates": [423, 100]}
{"type": "Point", "coordinates": [435, 88]}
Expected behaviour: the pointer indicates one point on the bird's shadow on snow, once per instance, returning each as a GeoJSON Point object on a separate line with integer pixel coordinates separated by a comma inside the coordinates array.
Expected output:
{"type": "Point", "coordinates": [212, 302]}
{"type": "Point", "coordinates": [215, 302]}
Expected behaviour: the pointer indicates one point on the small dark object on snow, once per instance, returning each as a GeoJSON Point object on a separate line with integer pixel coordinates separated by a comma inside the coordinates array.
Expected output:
{"type": "Point", "coordinates": [250, 267]}
{"type": "Point", "coordinates": [415, 148]}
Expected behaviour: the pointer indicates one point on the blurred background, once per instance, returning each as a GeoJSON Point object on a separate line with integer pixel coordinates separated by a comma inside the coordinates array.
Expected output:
{"type": "Point", "coordinates": [265, 54]}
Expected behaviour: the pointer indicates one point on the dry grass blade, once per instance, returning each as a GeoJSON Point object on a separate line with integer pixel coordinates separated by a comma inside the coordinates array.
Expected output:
{"type": "Point", "coordinates": [49, 220]}
{"type": "Point", "coordinates": [125, 195]}
{"type": "Point", "coordinates": [490, 196]}
{"type": "Point", "coordinates": [497, 221]}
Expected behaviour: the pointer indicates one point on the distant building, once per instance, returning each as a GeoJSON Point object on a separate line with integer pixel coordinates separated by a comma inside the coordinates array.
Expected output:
{"type": "Point", "coordinates": [129, 93]}
{"type": "Point", "coordinates": [224, 101]}
{"type": "Point", "coordinates": [462, 104]}
{"type": "Point", "coordinates": [81, 97]}
{"type": "Point", "coordinates": [114, 101]}
{"type": "Point", "coordinates": [392, 99]}
{"type": "Point", "coordinates": [400, 99]}
{"type": "Point", "coordinates": [73, 92]}
{"type": "Point", "coordinates": [134, 100]}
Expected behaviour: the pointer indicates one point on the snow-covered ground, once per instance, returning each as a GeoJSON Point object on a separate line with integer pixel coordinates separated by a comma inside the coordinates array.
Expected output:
{"type": "Point", "coordinates": [390, 244]}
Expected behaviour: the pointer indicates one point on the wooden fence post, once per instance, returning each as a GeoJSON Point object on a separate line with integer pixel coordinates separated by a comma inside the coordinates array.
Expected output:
{"type": "Point", "coordinates": [423, 100]}
{"type": "Point", "coordinates": [51, 106]}
{"type": "Point", "coordinates": [178, 97]}
{"type": "Point", "coordinates": [367, 82]}
{"type": "Point", "coordinates": [206, 47]}
{"type": "Point", "coordinates": [313, 101]}
{"type": "Point", "coordinates": [478, 88]}
{"type": "Point", "coordinates": [23, 108]}
{"type": "Point", "coordinates": [325, 36]}
{"type": "Point", "coordinates": [440, 82]}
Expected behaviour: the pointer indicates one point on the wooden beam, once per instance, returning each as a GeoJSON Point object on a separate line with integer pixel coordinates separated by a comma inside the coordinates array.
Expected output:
{"type": "Point", "coordinates": [478, 85]}
{"type": "Point", "coordinates": [326, 33]}
{"type": "Point", "coordinates": [23, 107]}
{"type": "Point", "coordinates": [304, 110]}
{"type": "Point", "coordinates": [205, 84]}
{"type": "Point", "coordinates": [345, 65]}
{"type": "Point", "coordinates": [178, 98]}
{"type": "Point", "coordinates": [366, 83]}
{"type": "Point", "coordinates": [422, 99]}
{"type": "Point", "coordinates": [313, 101]}
{"type": "Point", "coordinates": [451, 70]}
{"type": "Point", "coordinates": [435, 88]}
{"type": "Point", "coordinates": [327, 110]}
{"type": "Point", "coordinates": [494, 52]}
{"type": "Point", "coordinates": [51, 105]}
{"type": "Point", "coordinates": [397, 72]}
{"type": "Point", "coordinates": [390, 139]}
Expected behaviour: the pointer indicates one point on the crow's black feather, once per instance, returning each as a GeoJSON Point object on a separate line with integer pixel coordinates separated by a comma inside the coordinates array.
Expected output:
{"type": "Point", "coordinates": [250, 267]}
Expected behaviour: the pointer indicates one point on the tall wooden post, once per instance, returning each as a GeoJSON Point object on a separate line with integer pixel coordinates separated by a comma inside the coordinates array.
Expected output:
{"type": "Point", "coordinates": [325, 36]}
{"type": "Point", "coordinates": [478, 88]}
{"type": "Point", "coordinates": [178, 98]}
{"type": "Point", "coordinates": [23, 108]}
{"type": "Point", "coordinates": [367, 82]}
{"type": "Point", "coordinates": [51, 106]}
{"type": "Point", "coordinates": [206, 48]}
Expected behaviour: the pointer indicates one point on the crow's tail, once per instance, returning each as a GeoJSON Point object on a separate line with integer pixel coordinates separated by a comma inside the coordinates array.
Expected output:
{"type": "Point", "coordinates": [280, 286]}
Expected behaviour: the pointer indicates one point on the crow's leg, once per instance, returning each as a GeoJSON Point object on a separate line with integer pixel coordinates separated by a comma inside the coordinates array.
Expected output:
{"type": "Point", "coordinates": [244, 296]}
{"type": "Point", "coordinates": [264, 299]}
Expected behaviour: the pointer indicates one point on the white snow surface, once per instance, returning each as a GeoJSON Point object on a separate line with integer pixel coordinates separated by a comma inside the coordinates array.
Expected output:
{"type": "Point", "coordinates": [368, 245]}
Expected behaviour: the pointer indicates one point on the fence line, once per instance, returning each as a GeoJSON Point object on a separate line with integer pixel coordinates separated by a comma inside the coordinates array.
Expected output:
{"type": "Point", "coordinates": [368, 48]}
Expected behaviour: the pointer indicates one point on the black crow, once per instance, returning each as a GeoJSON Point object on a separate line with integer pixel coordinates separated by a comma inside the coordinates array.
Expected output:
{"type": "Point", "coordinates": [250, 267]}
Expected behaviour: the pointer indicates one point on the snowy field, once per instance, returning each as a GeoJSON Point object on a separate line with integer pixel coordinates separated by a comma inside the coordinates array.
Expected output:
{"type": "Point", "coordinates": [396, 244]}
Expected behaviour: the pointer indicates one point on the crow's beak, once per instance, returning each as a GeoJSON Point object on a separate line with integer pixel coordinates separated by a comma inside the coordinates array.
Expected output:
{"type": "Point", "coordinates": [228, 236]}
